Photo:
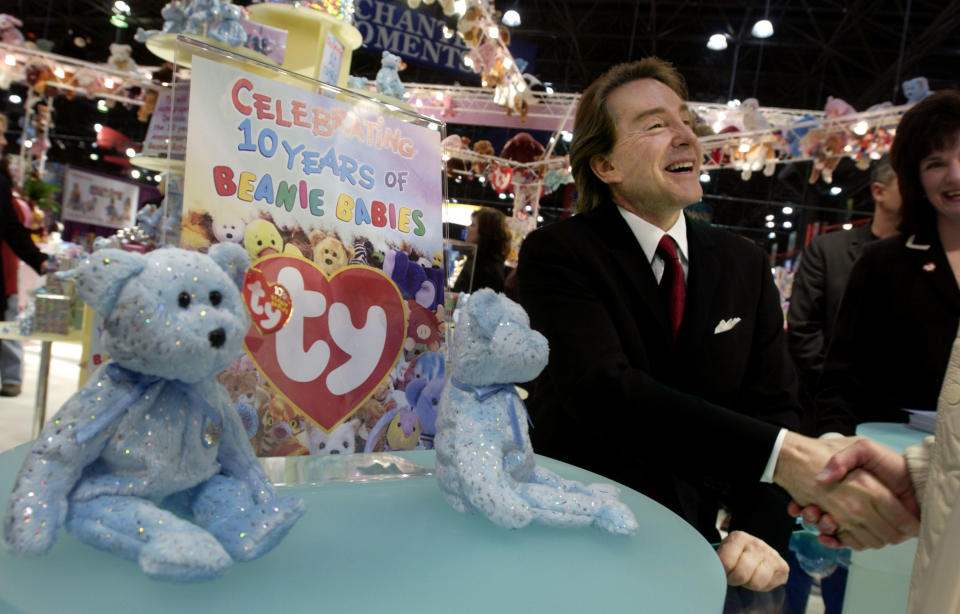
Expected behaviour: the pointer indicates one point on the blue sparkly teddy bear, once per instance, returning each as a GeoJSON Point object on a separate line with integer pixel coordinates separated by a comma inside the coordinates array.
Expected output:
{"type": "Point", "coordinates": [150, 460]}
{"type": "Point", "coordinates": [484, 460]}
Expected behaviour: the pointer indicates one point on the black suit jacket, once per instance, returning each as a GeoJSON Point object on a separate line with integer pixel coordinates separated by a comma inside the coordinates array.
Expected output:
{"type": "Point", "coordinates": [618, 398]}
{"type": "Point", "coordinates": [894, 332]}
{"type": "Point", "coordinates": [815, 300]}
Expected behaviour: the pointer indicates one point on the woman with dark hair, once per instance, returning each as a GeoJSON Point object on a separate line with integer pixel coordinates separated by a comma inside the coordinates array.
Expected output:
{"type": "Point", "coordinates": [489, 232]}
{"type": "Point", "coordinates": [13, 233]}
{"type": "Point", "coordinates": [901, 308]}
{"type": "Point", "coordinates": [898, 344]}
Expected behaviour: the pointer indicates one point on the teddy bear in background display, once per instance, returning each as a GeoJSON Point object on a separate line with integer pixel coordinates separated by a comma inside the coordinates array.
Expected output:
{"type": "Point", "coordinates": [828, 152]}
{"type": "Point", "coordinates": [329, 253]}
{"type": "Point", "coordinates": [153, 431]}
{"type": "Point", "coordinates": [484, 148]}
{"type": "Point", "coordinates": [388, 77]}
{"type": "Point", "coordinates": [9, 34]}
{"type": "Point", "coordinates": [120, 58]}
{"type": "Point", "coordinates": [485, 462]}
{"type": "Point", "coordinates": [761, 154]}
{"type": "Point", "coordinates": [916, 89]}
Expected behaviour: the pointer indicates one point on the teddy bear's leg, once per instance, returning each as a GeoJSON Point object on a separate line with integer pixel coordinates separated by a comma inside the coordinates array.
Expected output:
{"type": "Point", "coordinates": [246, 529]}
{"type": "Point", "coordinates": [449, 483]}
{"type": "Point", "coordinates": [166, 546]}
{"type": "Point", "coordinates": [557, 506]}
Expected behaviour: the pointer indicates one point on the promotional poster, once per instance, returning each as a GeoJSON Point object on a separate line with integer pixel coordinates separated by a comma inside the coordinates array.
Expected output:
{"type": "Point", "coordinates": [97, 199]}
{"type": "Point", "coordinates": [338, 202]}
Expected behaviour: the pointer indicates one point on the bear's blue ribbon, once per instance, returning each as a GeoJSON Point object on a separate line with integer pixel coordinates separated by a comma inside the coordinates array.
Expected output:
{"type": "Point", "coordinates": [142, 381]}
{"type": "Point", "coordinates": [482, 393]}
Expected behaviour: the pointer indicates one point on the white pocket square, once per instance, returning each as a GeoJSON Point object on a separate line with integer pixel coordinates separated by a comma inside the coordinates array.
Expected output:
{"type": "Point", "coordinates": [725, 325]}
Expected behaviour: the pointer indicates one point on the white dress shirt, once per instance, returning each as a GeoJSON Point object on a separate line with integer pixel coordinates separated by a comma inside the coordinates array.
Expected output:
{"type": "Point", "coordinates": [648, 236]}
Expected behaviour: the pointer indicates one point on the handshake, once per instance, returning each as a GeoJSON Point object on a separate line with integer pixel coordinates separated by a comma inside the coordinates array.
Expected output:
{"type": "Point", "coordinates": [858, 493]}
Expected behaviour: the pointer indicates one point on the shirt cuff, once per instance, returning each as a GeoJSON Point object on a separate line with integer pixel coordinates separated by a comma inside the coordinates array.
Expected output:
{"type": "Point", "coordinates": [767, 477]}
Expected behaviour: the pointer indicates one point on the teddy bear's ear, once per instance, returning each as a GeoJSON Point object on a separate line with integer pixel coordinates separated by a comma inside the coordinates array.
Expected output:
{"type": "Point", "coordinates": [484, 309]}
{"type": "Point", "coordinates": [101, 277]}
{"type": "Point", "coordinates": [233, 259]}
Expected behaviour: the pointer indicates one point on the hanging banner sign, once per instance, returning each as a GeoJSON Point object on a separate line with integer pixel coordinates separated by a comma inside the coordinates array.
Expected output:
{"type": "Point", "coordinates": [416, 36]}
{"type": "Point", "coordinates": [338, 202]}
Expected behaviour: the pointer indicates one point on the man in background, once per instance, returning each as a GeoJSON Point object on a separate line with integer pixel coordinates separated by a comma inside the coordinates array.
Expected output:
{"type": "Point", "coordinates": [822, 277]}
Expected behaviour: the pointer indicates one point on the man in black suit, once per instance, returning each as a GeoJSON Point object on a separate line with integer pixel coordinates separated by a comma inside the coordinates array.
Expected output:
{"type": "Point", "coordinates": [679, 388]}
{"type": "Point", "coordinates": [822, 277]}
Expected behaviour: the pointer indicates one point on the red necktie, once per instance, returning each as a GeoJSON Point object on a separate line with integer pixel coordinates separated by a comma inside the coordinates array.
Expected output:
{"type": "Point", "coordinates": [672, 286]}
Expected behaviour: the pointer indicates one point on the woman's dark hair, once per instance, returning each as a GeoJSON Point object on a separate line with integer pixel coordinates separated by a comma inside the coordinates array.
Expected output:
{"type": "Point", "coordinates": [930, 125]}
{"type": "Point", "coordinates": [493, 236]}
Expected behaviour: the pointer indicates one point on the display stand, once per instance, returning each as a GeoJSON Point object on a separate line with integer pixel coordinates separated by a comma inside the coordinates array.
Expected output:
{"type": "Point", "coordinates": [378, 536]}
{"type": "Point", "coordinates": [319, 45]}
{"type": "Point", "coordinates": [10, 330]}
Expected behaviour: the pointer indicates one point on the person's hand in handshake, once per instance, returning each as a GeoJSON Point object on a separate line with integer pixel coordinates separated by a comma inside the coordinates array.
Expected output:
{"type": "Point", "coordinates": [857, 492]}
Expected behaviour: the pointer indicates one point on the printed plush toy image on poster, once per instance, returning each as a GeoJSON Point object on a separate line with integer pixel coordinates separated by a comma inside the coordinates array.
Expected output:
{"type": "Point", "coordinates": [338, 204]}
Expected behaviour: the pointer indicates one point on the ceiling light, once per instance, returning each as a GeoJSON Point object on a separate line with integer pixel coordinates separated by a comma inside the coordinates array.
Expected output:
{"type": "Point", "coordinates": [762, 29]}
{"type": "Point", "coordinates": [94, 157]}
{"type": "Point", "coordinates": [771, 224]}
{"type": "Point", "coordinates": [836, 190]}
{"type": "Point", "coordinates": [28, 143]}
{"type": "Point", "coordinates": [788, 224]}
{"type": "Point", "coordinates": [787, 210]}
{"type": "Point", "coordinates": [102, 106]}
{"type": "Point", "coordinates": [769, 217]}
{"type": "Point", "coordinates": [847, 226]}
{"type": "Point", "coordinates": [481, 179]}
{"type": "Point", "coordinates": [704, 177]}
{"type": "Point", "coordinates": [566, 135]}
{"type": "Point", "coordinates": [717, 42]}
{"type": "Point", "coordinates": [511, 19]}
{"type": "Point", "coordinates": [539, 218]}
{"type": "Point", "coordinates": [447, 32]}
{"type": "Point", "coordinates": [460, 6]}
{"type": "Point", "coordinates": [121, 7]}
{"type": "Point", "coordinates": [118, 21]}
{"type": "Point", "coordinates": [97, 127]}
{"type": "Point", "coordinates": [772, 235]}
{"type": "Point", "coordinates": [503, 195]}
{"type": "Point", "coordinates": [58, 73]}
{"type": "Point", "coordinates": [10, 60]}
{"type": "Point", "coordinates": [157, 178]}
{"type": "Point", "coordinates": [15, 99]}
{"type": "Point", "coordinates": [468, 61]}
{"type": "Point", "coordinates": [548, 89]}
{"type": "Point", "coordinates": [860, 128]}
{"type": "Point", "coordinates": [493, 32]}
{"type": "Point", "coordinates": [131, 152]}
{"type": "Point", "coordinates": [135, 174]}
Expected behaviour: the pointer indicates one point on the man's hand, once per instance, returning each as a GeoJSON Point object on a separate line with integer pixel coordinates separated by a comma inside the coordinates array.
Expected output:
{"type": "Point", "coordinates": [868, 510]}
{"type": "Point", "coordinates": [751, 563]}
{"type": "Point", "coordinates": [889, 467]}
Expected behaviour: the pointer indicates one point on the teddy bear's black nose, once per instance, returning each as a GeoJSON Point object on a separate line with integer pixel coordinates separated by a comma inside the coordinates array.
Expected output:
{"type": "Point", "coordinates": [217, 337]}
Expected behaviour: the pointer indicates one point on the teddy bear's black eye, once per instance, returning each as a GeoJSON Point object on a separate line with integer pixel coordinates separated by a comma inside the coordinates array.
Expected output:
{"type": "Point", "coordinates": [345, 445]}
{"type": "Point", "coordinates": [259, 243]}
{"type": "Point", "coordinates": [215, 298]}
{"type": "Point", "coordinates": [322, 445]}
{"type": "Point", "coordinates": [183, 300]}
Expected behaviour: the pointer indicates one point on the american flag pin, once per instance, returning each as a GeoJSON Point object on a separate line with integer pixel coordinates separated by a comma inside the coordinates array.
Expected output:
{"type": "Point", "coordinates": [929, 267]}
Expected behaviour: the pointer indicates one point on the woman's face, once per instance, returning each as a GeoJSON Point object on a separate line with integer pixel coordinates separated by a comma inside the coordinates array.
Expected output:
{"type": "Point", "coordinates": [940, 176]}
{"type": "Point", "coordinates": [473, 235]}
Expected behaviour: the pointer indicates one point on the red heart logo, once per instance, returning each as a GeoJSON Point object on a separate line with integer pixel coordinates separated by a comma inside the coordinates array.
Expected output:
{"type": "Point", "coordinates": [269, 305]}
{"type": "Point", "coordinates": [343, 336]}
{"type": "Point", "coordinates": [501, 177]}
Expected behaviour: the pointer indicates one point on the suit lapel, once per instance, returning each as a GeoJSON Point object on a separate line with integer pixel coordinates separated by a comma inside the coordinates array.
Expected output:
{"type": "Point", "coordinates": [861, 235]}
{"type": "Point", "coordinates": [632, 262]}
{"type": "Point", "coordinates": [703, 280]}
{"type": "Point", "coordinates": [933, 266]}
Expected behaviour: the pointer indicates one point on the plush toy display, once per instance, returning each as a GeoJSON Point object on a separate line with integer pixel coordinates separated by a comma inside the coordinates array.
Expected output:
{"type": "Point", "coordinates": [485, 462]}
{"type": "Point", "coordinates": [916, 89]}
{"type": "Point", "coordinates": [120, 58]}
{"type": "Point", "coordinates": [9, 32]}
{"type": "Point", "coordinates": [388, 77]}
{"type": "Point", "coordinates": [150, 460]}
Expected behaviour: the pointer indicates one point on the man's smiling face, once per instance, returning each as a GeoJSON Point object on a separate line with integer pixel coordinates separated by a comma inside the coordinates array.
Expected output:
{"type": "Point", "coordinates": [654, 166]}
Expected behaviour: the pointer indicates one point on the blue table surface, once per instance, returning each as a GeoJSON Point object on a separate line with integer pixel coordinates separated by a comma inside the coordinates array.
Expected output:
{"type": "Point", "coordinates": [895, 435]}
{"type": "Point", "coordinates": [394, 545]}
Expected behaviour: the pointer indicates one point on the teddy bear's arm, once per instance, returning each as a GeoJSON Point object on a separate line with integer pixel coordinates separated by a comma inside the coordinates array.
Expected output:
{"type": "Point", "coordinates": [236, 456]}
{"type": "Point", "coordinates": [38, 504]}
